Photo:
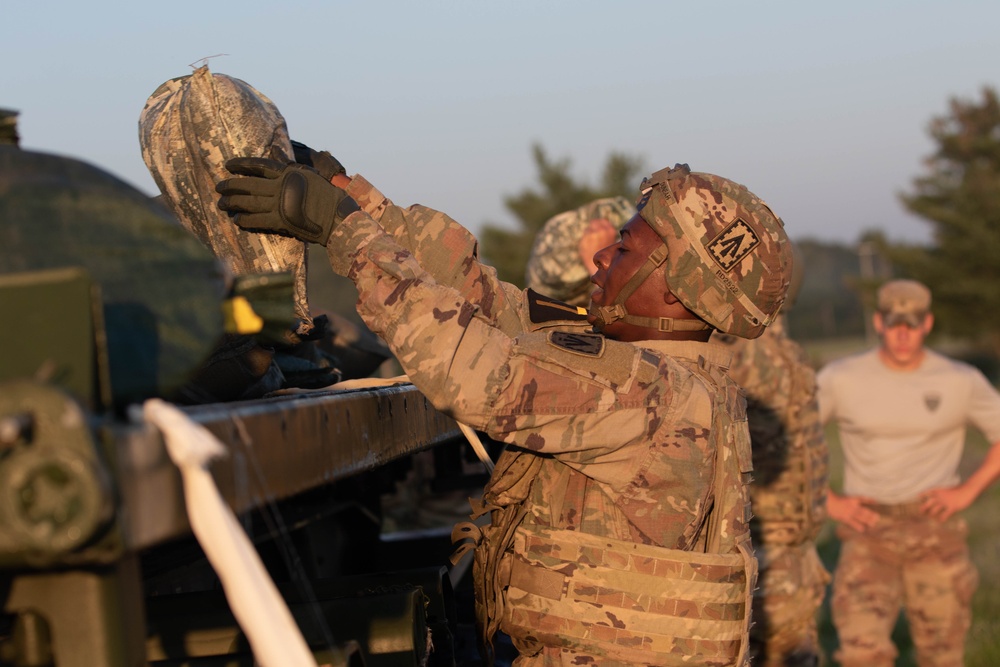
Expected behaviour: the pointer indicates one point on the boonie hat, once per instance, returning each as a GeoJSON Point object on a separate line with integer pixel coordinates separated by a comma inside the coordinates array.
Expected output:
{"type": "Point", "coordinates": [904, 302]}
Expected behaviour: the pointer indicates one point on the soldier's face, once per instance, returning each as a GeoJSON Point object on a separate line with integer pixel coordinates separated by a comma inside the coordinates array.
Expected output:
{"type": "Point", "coordinates": [617, 263]}
{"type": "Point", "coordinates": [902, 343]}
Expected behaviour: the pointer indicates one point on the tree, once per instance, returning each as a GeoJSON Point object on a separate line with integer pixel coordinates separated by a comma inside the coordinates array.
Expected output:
{"type": "Point", "coordinates": [960, 198]}
{"type": "Point", "coordinates": [828, 304]}
{"type": "Point", "coordinates": [508, 250]}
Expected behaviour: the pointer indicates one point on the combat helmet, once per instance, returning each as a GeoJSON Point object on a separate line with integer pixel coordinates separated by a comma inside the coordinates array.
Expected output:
{"type": "Point", "coordinates": [730, 259]}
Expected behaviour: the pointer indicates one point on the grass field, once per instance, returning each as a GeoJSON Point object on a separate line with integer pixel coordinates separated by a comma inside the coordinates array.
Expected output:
{"type": "Point", "coordinates": [983, 645]}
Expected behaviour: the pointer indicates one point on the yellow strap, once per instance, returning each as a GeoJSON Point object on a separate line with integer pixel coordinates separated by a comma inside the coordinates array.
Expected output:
{"type": "Point", "coordinates": [239, 317]}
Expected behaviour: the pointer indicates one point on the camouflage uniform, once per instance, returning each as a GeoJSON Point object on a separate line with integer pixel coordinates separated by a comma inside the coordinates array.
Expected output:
{"type": "Point", "coordinates": [788, 494]}
{"type": "Point", "coordinates": [555, 268]}
{"type": "Point", "coordinates": [618, 449]}
{"type": "Point", "coordinates": [902, 434]}
{"type": "Point", "coordinates": [619, 514]}
{"type": "Point", "coordinates": [906, 557]}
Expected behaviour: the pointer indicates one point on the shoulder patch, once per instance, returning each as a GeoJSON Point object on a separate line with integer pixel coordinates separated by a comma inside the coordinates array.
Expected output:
{"type": "Point", "coordinates": [545, 309]}
{"type": "Point", "coordinates": [590, 345]}
{"type": "Point", "coordinates": [733, 244]}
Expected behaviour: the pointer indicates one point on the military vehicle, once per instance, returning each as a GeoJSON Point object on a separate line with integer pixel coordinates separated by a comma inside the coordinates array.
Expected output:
{"type": "Point", "coordinates": [107, 302]}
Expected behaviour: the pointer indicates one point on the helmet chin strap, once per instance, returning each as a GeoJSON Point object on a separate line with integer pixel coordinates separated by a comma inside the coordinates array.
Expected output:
{"type": "Point", "coordinates": [606, 315]}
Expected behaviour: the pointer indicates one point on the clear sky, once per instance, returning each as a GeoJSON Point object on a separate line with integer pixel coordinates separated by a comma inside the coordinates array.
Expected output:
{"type": "Point", "coordinates": [821, 108]}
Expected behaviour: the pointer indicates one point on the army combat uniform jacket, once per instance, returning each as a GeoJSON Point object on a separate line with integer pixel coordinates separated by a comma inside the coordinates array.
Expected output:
{"type": "Point", "coordinates": [627, 462]}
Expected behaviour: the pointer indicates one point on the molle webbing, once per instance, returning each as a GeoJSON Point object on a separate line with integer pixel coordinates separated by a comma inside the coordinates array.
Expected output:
{"type": "Point", "coordinates": [789, 492]}
{"type": "Point", "coordinates": [791, 507]}
{"type": "Point", "coordinates": [628, 602]}
{"type": "Point", "coordinates": [638, 603]}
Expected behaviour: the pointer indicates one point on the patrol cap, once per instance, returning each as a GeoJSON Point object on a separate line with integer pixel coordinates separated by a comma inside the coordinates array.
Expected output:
{"type": "Point", "coordinates": [728, 257]}
{"type": "Point", "coordinates": [904, 302]}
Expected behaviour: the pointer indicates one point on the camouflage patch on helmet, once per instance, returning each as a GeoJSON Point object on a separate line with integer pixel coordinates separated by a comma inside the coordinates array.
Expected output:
{"type": "Point", "coordinates": [734, 243]}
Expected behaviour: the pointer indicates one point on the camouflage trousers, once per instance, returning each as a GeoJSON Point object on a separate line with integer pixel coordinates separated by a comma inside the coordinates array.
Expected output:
{"type": "Point", "coordinates": [911, 561]}
{"type": "Point", "coordinates": [791, 586]}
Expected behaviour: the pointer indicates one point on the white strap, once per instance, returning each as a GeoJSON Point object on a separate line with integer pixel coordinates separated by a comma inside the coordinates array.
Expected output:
{"type": "Point", "coordinates": [253, 598]}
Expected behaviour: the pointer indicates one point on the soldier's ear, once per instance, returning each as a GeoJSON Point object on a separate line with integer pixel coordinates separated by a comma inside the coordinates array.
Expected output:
{"type": "Point", "coordinates": [670, 298]}
{"type": "Point", "coordinates": [878, 323]}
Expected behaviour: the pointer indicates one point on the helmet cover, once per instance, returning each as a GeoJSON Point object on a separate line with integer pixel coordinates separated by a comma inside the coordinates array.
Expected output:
{"type": "Point", "coordinates": [729, 259]}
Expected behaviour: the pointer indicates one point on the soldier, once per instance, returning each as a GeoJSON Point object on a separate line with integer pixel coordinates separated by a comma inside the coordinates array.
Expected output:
{"type": "Point", "coordinates": [562, 255]}
{"type": "Point", "coordinates": [619, 508]}
{"type": "Point", "coordinates": [788, 492]}
{"type": "Point", "coordinates": [902, 411]}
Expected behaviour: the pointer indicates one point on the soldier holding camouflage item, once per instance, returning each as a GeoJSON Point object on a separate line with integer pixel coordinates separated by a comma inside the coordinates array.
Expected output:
{"type": "Point", "coordinates": [619, 508]}
{"type": "Point", "coordinates": [902, 411]}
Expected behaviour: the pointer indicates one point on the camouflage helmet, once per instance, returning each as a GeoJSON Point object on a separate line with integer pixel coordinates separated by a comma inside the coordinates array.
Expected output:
{"type": "Point", "coordinates": [555, 267]}
{"type": "Point", "coordinates": [730, 261]}
{"type": "Point", "coordinates": [188, 128]}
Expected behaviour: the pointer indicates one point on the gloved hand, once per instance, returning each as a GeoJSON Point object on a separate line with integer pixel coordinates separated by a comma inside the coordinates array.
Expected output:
{"type": "Point", "coordinates": [327, 165]}
{"type": "Point", "coordinates": [287, 199]}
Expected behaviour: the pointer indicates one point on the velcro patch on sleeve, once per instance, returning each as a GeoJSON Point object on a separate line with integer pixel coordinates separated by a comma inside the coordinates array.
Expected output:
{"type": "Point", "coordinates": [588, 355]}
{"type": "Point", "coordinates": [589, 345]}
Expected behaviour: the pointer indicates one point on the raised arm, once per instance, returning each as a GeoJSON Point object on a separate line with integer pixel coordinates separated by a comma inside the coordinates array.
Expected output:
{"type": "Point", "coordinates": [446, 249]}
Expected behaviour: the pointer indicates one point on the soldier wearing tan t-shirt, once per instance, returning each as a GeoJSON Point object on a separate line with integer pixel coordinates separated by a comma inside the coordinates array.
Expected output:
{"type": "Point", "coordinates": [902, 412]}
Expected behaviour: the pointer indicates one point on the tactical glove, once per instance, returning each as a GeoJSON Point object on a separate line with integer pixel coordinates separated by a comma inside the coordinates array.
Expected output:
{"type": "Point", "coordinates": [327, 165]}
{"type": "Point", "coordinates": [287, 199]}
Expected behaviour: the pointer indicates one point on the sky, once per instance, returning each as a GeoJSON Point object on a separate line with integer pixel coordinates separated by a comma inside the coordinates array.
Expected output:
{"type": "Point", "coordinates": [820, 108]}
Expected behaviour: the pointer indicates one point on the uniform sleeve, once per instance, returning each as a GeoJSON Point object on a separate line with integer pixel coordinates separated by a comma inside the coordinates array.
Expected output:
{"type": "Point", "coordinates": [446, 250]}
{"type": "Point", "coordinates": [984, 406]}
{"type": "Point", "coordinates": [522, 389]}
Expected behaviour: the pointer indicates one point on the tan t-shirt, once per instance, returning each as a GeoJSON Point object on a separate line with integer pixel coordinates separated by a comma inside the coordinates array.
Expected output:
{"type": "Point", "coordinates": [902, 432]}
